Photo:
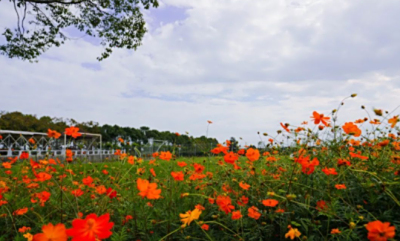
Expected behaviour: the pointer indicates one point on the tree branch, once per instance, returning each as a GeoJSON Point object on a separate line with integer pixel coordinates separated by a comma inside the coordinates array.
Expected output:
{"type": "Point", "coordinates": [56, 1]}
{"type": "Point", "coordinates": [15, 8]}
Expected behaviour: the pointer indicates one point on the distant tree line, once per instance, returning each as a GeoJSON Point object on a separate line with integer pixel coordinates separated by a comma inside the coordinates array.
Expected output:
{"type": "Point", "coordinates": [133, 137]}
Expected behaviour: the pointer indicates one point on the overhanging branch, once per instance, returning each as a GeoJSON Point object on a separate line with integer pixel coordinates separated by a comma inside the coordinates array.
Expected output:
{"type": "Point", "coordinates": [55, 1]}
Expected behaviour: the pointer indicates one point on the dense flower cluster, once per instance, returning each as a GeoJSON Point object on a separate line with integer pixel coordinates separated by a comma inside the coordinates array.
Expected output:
{"type": "Point", "coordinates": [341, 188]}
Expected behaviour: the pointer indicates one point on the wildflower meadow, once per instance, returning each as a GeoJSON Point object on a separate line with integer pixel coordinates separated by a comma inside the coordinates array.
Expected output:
{"type": "Point", "coordinates": [319, 180]}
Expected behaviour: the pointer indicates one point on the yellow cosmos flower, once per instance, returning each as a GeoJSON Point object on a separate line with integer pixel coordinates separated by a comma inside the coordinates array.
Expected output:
{"type": "Point", "coordinates": [189, 216]}
{"type": "Point", "coordinates": [292, 233]}
{"type": "Point", "coordinates": [28, 236]}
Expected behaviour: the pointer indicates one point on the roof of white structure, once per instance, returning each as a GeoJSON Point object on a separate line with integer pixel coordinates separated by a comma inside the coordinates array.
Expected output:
{"type": "Point", "coordinates": [40, 133]}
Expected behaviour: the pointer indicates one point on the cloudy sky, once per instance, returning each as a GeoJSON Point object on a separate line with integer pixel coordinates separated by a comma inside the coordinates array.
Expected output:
{"type": "Point", "coordinates": [245, 65]}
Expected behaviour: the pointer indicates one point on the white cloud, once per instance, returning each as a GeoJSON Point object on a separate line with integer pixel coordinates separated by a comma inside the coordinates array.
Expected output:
{"type": "Point", "coordinates": [245, 65]}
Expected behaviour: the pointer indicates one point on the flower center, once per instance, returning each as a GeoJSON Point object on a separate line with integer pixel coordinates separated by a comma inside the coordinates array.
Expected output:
{"type": "Point", "coordinates": [90, 222]}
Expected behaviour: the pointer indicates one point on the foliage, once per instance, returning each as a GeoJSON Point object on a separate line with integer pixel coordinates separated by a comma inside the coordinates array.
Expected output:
{"type": "Point", "coordinates": [133, 137]}
{"type": "Point", "coordinates": [344, 188]}
{"type": "Point", "coordinates": [117, 23]}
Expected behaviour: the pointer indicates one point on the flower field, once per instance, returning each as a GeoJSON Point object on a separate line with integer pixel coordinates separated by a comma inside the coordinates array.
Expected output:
{"type": "Point", "coordinates": [334, 182]}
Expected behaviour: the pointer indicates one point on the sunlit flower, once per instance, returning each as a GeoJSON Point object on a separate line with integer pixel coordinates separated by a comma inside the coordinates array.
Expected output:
{"type": "Point", "coordinates": [231, 157]}
{"type": "Point", "coordinates": [320, 118]}
{"type": "Point", "coordinates": [189, 216]}
{"type": "Point", "coordinates": [253, 213]}
{"type": "Point", "coordinates": [205, 226]}
{"type": "Point", "coordinates": [148, 190]}
{"type": "Point", "coordinates": [225, 204]}
{"type": "Point", "coordinates": [245, 186]}
{"type": "Point", "coordinates": [52, 233]}
{"type": "Point", "coordinates": [340, 186]}
{"type": "Point", "coordinates": [285, 126]}
{"type": "Point", "coordinates": [270, 202]}
{"type": "Point", "coordinates": [293, 233]}
{"type": "Point", "coordinates": [91, 228]}
{"type": "Point", "coordinates": [252, 154]}
{"type": "Point", "coordinates": [393, 121]}
{"type": "Point", "coordinates": [53, 134]}
{"type": "Point", "coordinates": [21, 211]}
{"type": "Point", "coordinates": [351, 129]}
{"type": "Point", "coordinates": [166, 156]}
{"type": "Point", "coordinates": [178, 176]}
{"type": "Point", "coordinates": [72, 131]}
{"type": "Point", "coordinates": [329, 171]}
{"type": "Point", "coordinates": [236, 215]}
{"type": "Point", "coordinates": [378, 231]}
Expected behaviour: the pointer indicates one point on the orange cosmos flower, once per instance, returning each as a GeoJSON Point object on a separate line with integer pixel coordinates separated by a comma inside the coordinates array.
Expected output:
{"type": "Point", "coordinates": [205, 226]}
{"type": "Point", "coordinates": [252, 154]}
{"type": "Point", "coordinates": [285, 126]}
{"type": "Point", "coordinates": [329, 171]}
{"type": "Point", "coordinates": [166, 156]}
{"type": "Point", "coordinates": [357, 155]}
{"type": "Point", "coordinates": [148, 190]}
{"type": "Point", "coordinates": [101, 189]}
{"type": "Point", "coordinates": [72, 131]}
{"type": "Point", "coordinates": [43, 197]}
{"type": "Point", "coordinates": [225, 204]}
{"type": "Point", "coordinates": [68, 154]}
{"type": "Point", "coordinates": [231, 157]}
{"type": "Point", "coordinates": [182, 164]}
{"type": "Point", "coordinates": [153, 172]}
{"type": "Point", "coordinates": [308, 166]}
{"type": "Point", "coordinates": [340, 186]}
{"type": "Point", "coordinates": [52, 233]}
{"type": "Point", "coordinates": [351, 129]}
{"type": "Point", "coordinates": [32, 141]}
{"type": "Point", "coordinates": [335, 231]}
{"type": "Point", "coordinates": [87, 180]}
{"type": "Point", "coordinates": [243, 201]}
{"type": "Point", "coordinates": [236, 215]}
{"type": "Point", "coordinates": [343, 162]}
{"type": "Point", "coordinates": [320, 118]}
{"type": "Point", "coordinates": [92, 228]}
{"type": "Point", "coordinates": [77, 192]}
{"type": "Point", "coordinates": [253, 213]}
{"type": "Point", "coordinates": [393, 121]}
{"type": "Point", "coordinates": [220, 148]}
{"type": "Point", "coordinates": [121, 140]}
{"type": "Point", "coordinates": [270, 202]}
{"type": "Point", "coordinates": [111, 193]}
{"type": "Point", "coordinates": [378, 231]}
{"type": "Point", "coordinates": [42, 176]}
{"type": "Point", "coordinates": [24, 155]}
{"type": "Point", "coordinates": [321, 205]}
{"type": "Point", "coordinates": [24, 229]}
{"type": "Point", "coordinates": [6, 165]}
{"type": "Point", "coordinates": [200, 207]}
{"type": "Point", "coordinates": [53, 134]}
{"type": "Point", "coordinates": [178, 176]}
{"type": "Point", "coordinates": [198, 168]}
{"type": "Point", "coordinates": [209, 122]}
{"type": "Point", "coordinates": [21, 211]}
{"type": "Point", "coordinates": [131, 160]}
{"type": "Point", "coordinates": [245, 186]}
